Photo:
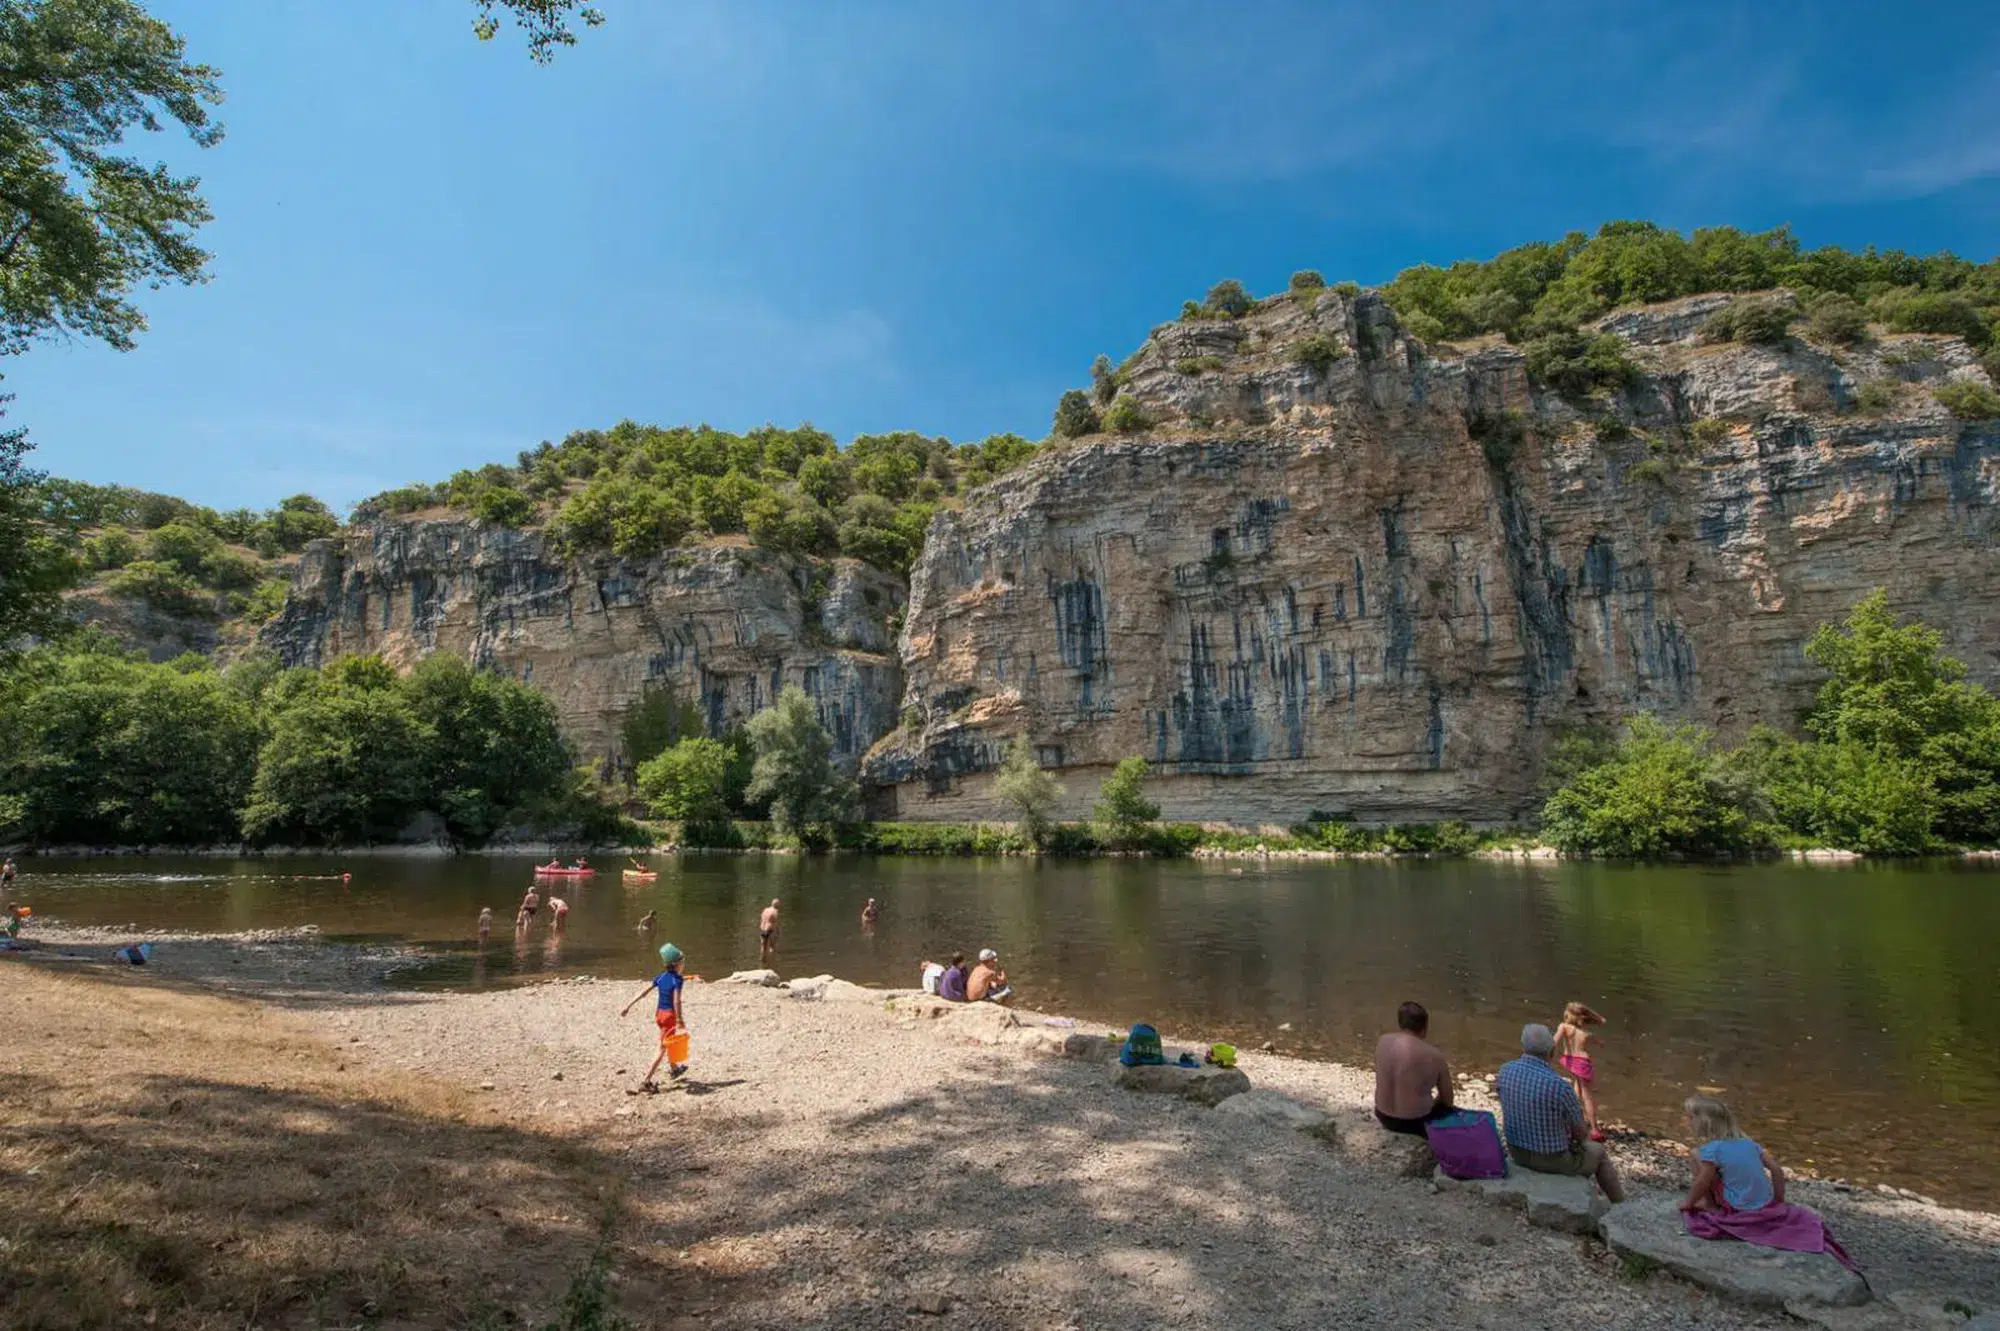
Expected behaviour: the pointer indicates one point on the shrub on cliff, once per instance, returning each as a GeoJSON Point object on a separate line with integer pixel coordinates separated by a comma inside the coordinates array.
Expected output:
{"type": "Point", "coordinates": [1968, 399]}
{"type": "Point", "coordinates": [1033, 793]}
{"type": "Point", "coordinates": [161, 586]}
{"type": "Point", "coordinates": [1075, 417]}
{"type": "Point", "coordinates": [1913, 310]}
{"type": "Point", "coordinates": [1126, 416]}
{"type": "Point", "coordinates": [794, 771]}
{"type": "Point", "coordinates": [1833, 317]}
{"type": "Point", "coordinates": [1122, 806]}
{"type": "Point", "coordinates": [1317, 352]}
{"type": "Point", "coordinates": [1104, 379]}
{"type": "Point", "coordinates": [1767, 322]}
{"type": "Point", "coordinates": [1307, 279]}
{"type": "Point", "coordinates": [1227, 299]}
{"type": "Point", "coordinates": [1664, 792]}
{"type": "Point", "coordinates": [1578, 364]}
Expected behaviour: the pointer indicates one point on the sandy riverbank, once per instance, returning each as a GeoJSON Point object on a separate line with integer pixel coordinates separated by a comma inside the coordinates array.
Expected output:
{"type": "Point", "coordinates": [828, 1164]}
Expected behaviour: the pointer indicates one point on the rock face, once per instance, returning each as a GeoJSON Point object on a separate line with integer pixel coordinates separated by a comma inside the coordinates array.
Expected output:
{"type": "Point", "coordinates": [1651, 1227]}
{"type": "Point", "coordinates": [725, 626]}
{"type": "Point", "coordinates": [1377, 587]}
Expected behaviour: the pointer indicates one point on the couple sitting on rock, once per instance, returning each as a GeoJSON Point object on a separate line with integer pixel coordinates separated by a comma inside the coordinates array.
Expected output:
{"type": "Point", "coordinates": [1545, 1127]}
{"type": "Point", "coordinates": [984, 983]}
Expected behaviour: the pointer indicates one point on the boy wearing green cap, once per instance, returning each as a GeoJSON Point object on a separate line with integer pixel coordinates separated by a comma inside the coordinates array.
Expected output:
{"type": "Point", "coordinates": [668, 984]}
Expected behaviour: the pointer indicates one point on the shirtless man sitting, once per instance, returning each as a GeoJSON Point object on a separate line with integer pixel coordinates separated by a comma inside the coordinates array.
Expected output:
{"type": "Point", "coordinates": [1412, 1080]}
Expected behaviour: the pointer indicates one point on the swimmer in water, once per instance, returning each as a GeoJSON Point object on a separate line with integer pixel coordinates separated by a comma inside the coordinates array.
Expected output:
{"type": "Point", "coordinates": [560, 910]}
{"type": "Point", "coordinates": [485, 923]}
{"type": "Point", "coordinates": [646, 921]}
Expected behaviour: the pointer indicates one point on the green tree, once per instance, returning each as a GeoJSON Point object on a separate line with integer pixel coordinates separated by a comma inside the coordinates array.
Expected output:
{"type": "Point", "coordinates": [300, 519]}
{"type": "Point", "coordinates": [1848, 795]}
{"type": "Point", "coordinates": [491, 745]}
{"type": "Point", "coordinates": [660, 717]}
{"type": "Point", "coordinates": [1663, 792]}
{"type": "Point", "coordinates": [345, 764]}
{"type": "Point", "coordinates": [689, 783]}
{"type": "Point", "coordinates": [81, 224]}
{"type": "Point", "coordinates": [35, 566]}
{"type": "Point", "coordinates": [1032, 792]}
{"type": "Point", "coordinates": [1229, 299]}
{"type": "Point", "coordinates": [794, 771]}
{"type": "Point", "coordinates": [1122, 805]}
{"type": "Point", "coordinates": [100, 748]}
{"type": "Point", "coordinates": [1075, 417]}
{"type": "Point", "coordinates": [1892, 690]}
{"type": "Point", "coordinates": [1104, 378]}
{"type": "Point", "coordinates": [545, 23]}
{"type": "Point", "coordinates": [183, 546]}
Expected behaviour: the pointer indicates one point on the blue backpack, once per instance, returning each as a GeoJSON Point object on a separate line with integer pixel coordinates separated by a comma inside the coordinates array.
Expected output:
{"type": "Point", "coordinates": [1142, 1046]}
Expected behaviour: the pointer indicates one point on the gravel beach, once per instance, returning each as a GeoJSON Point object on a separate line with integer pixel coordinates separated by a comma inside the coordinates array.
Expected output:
{"type": "Point", "coordinates": [836, 1163]}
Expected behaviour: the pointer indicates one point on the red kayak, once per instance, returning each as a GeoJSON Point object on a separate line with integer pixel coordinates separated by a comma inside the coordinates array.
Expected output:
{"type": "Point", "coordinates": [540, 872]}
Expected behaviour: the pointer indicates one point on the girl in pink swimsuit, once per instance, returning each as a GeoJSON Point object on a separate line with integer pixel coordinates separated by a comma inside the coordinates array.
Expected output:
{"type": "Point", "coordinates": [1573, 1056]}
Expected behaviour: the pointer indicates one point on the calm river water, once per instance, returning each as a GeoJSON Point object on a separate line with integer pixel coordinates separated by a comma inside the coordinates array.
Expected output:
{"type": "Point", "coordinates": [1852, 1014]}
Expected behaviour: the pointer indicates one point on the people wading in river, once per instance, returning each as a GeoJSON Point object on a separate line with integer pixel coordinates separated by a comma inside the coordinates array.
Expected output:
{"type": "Point", "coordinates": [767, 932]}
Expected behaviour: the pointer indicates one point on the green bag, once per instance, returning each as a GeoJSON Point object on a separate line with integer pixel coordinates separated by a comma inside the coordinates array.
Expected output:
{"type": "Point", "coordinates": [1142, 1046]}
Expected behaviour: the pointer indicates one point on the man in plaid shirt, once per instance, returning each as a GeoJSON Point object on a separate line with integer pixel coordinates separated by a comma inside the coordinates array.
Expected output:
{"type": "Point", "coordinates": [1544, 1122]}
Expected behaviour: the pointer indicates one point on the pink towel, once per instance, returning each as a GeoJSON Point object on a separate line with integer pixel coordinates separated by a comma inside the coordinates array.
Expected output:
{"type": "Point", "coordinates": [1779, 1225]}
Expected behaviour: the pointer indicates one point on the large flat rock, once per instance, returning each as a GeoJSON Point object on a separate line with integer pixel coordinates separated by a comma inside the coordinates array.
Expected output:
{"type": "Point", "coordinates": [1650, 1227]}
{"type": "Point", "coordinates": [762, 979]}
{"type": "Point", "coordinates": [1370, 1146]}
{"type": "Point", "coordinates": [1280, 1111]}
{"type": "Point", "coordinates": [1202, 1084]}
{"type": "Point", "coordinates": [1550, 1201]}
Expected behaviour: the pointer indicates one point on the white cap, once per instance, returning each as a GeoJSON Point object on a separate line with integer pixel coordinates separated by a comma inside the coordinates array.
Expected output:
{"type": "Point", "coordinates": [988, 954]}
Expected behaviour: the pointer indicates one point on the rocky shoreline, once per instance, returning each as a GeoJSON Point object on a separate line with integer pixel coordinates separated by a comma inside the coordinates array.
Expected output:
{"type": "Point", "coordinates": [846, 1137]}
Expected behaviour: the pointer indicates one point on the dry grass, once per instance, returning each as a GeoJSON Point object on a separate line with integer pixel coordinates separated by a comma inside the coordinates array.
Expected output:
{"type": "Point", "coordinates": [177, 1160]}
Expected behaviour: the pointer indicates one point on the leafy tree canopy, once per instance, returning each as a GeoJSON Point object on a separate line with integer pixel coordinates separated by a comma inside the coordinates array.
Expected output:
{"type": "Point", "coordinates": [545, 23]}
{"type": "Point", "coordinates": [82, 223]}
{"type": "Point", "coordinates": [1030, 790]}
{"type": "Point", "coordinates": [794, 770]}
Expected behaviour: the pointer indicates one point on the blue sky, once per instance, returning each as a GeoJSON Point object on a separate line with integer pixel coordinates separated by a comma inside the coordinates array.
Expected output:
{"type": "Point", "coordinates": [431, 253]}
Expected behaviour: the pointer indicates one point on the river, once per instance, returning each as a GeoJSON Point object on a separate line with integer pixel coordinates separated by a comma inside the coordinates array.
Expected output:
{"type": "Point", "coordinates": [1851, 1014]}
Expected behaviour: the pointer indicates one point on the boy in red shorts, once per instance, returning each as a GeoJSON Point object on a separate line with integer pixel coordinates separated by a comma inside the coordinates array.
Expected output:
{"type": "Point", "coordinates": [668, 984]}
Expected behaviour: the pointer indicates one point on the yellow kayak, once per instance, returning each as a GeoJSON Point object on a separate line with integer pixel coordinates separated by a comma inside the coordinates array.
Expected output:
{"type": "Point", "coordinates": [641, 875]}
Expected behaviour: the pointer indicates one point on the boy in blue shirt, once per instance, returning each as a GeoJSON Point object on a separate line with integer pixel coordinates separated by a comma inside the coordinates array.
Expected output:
{"type": "Point", "coordinates": [673, 1027]}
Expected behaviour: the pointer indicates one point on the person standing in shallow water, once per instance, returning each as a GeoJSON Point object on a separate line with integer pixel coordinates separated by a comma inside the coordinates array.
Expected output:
{"type": "Point", "coordinates": [767, 932]}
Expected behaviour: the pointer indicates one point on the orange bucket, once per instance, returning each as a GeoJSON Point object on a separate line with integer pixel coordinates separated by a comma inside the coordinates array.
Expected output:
{"type": "Point", "coordinates": [677, 1047]}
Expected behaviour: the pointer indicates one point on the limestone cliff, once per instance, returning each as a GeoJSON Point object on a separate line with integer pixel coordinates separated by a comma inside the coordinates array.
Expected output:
{"type": "Point", "coordinates": [1345, 571]}
{"type": "Point", "coordinates": [725, 625]}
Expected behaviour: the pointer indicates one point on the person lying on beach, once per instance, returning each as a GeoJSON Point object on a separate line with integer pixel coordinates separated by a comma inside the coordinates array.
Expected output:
{"type": "Point", "coordinates": [988, 983]}
{"type": "Point", "coordinates": [1412, 1079]}
{"type": "Point", "coordinates": [670, 1017]}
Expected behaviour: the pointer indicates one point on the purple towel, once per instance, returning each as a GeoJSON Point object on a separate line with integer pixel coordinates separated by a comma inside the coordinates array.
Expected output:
{"type": "Point", "coordinates": [1779, 1225]}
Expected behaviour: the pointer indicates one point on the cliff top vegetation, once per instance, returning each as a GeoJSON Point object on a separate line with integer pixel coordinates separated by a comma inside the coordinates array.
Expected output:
{"type": "Point", "coordinates": [1539, 295]}
{"type": "Point", "coordinates": [637, 490]}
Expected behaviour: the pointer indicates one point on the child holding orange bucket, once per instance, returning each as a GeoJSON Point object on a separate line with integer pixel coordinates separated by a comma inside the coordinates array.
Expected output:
{"type": "Point", "coordinates": [668, 984]}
